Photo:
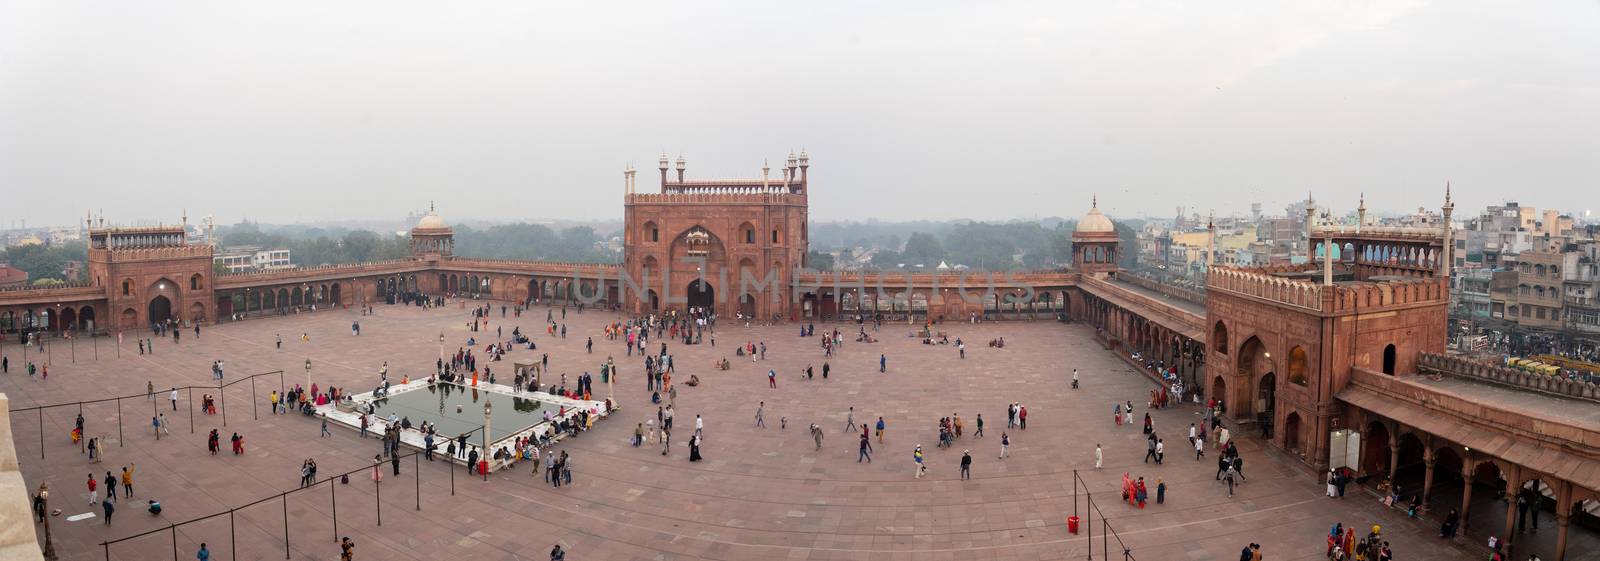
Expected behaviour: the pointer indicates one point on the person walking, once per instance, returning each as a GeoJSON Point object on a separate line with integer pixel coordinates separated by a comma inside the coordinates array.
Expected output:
{"type": "Point", "coordinates": [1074, 378]}
{"type": "Point", "coordinates": [761, 418]}
{"type": "Point", "coordinates": [1228, 477]}
{"type": "Point", "coordinates": [979, 433]}
{"type": "Point", "coordinates": [347, 549]}
{"type": "Point", "coordinates": [1022, 417]}
{"type": "Point", "coordinates": [1161, 450]}
{"type": "Point", "coordinates": [850, 420]}
{"type": "Point", "coordinates": [204, 554]}
{"type": "Point", "coordinates": [111, 487]}
{"type": "Point", "coordinates": [1005, 443]}
{"type": "Point", "coordinates": [94, 493]}
{"type": "Point", "coordinates": [1161, 491]}
{"type": "Point", "coordinates": [127, 480]}
{"type": "Point", "coordinates": [772, 379]}
{"type": "Point", "coordinates": [1199, 448]}
{"type": "Point", "coordinates": [966, 464]}
{"type": "Point", "coordinates": [816, 434]}
{"type": "Point", "coordinates": [325, 432]}
{"type": "Point", "coordinates": [1149, 449]}
{"type": "Point", "coordinates": [109, 508]}
{"type": "Point", "coordinates": [883, 363]}
{"type": "Point", "coordinates": [1099, 456]}
{"type": "Point", "coordinates": [174, 397]}
{"type": "Point", "coordinates": [864, 455]}
{"type": "Point", "coordinates": [699, 426]}
{"type": "Point", "coordinates": [880, 428]}
{"type": "Point", "coordinates": [916, 455]}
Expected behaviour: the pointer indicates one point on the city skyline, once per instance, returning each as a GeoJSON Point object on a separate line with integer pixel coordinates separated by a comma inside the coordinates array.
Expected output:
{"type": "Point", "coordinates": [372, 111]}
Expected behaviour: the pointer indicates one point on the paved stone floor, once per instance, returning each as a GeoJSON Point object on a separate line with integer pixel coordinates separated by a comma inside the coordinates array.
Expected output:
{"type": "Point", "coordinates": [759, 494]}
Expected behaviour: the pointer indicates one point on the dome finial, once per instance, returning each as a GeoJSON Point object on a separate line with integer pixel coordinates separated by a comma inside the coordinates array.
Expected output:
{"type": "Point", "coordinates": [1094, 201]}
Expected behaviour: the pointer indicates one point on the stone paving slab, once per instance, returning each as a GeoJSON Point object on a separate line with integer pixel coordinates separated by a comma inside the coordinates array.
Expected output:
{"type": "Point", "coordinates": [759, 494]}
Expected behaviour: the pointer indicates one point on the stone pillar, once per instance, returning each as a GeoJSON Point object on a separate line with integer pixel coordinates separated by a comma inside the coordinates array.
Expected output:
{"type": "Point", "coordinates": [1394, 449]}
{"type": "Point", "coordinates": [1562, 519]}
{"type": "Point", "coordinates": [1468, 470]}
{"type": "Point", "coordinates": [1513, 486]}
{"type": "Point", "coordinates": [1428, 461]}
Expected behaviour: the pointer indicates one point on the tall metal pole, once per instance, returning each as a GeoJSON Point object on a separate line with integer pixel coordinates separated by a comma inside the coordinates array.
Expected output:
{"type": "Point", "coordinates": [41, 434]}
{"type": "Point", "coordinates": [222, 398]}
{"type": "Point", "coordinates": [119, 422]}
{"type": "Point", "coordinates": [285, 525]}
{"type": "Point", "coordinates": [377, 491]}
{"type": "Point", "coordinates": [1088, 510]}
{"type": "Point", "coordinates": [191, 409]}
{"type": "Point", "coordinates": [174, 529]}
{"type": "Point", "coordinates": [255, 410]}
{"type": "Point", "coordinates": [233, 537]}
{"type": "Point", "coordinates": [416, 473]}
{"type": "Point", "coordinates": [333, 494]}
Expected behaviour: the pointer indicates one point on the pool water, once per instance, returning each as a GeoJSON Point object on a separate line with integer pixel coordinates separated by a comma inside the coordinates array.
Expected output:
{"type": "Point", "coordinates": [439, 404]}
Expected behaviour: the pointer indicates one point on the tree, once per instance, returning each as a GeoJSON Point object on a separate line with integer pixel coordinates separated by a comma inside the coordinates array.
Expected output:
{"type": "Point", "coordinates": [819, 261]}
{"type": "Point", "coordinates": [923, 249]}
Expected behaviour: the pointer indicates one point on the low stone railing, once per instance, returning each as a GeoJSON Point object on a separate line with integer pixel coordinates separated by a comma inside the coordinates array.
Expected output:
{"type": "Point", "coordinates": [1459, 367]}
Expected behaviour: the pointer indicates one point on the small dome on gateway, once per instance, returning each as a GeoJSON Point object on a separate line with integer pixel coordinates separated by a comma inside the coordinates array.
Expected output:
{"type": "Point", "coordinates": [1094, 222]}
{"type": "Point", "coordinates": [431, 221]}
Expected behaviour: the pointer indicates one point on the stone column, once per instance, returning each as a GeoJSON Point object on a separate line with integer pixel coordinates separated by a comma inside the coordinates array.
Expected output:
{"type": "Point", "coordinates": [1513, 486]}
{"type": "Point", "coordinates": [1428, 460]}
{"type": "Point", "coordinates": [1468, 463]}
{"type": "Point", "coordinates": [1394, 449]}
{"type": "Point", "coordinates": [1562, 519]}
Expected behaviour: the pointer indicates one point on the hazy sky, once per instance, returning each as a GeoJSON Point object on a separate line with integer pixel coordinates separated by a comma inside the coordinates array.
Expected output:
{"type": "Point", "coordinates": [284, 110]}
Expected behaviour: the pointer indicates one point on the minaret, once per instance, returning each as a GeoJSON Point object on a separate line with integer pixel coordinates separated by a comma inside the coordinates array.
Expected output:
{"type": "Point", "coordinates": [1311, 218]}
{"type": "Point", "coordinates": [1361, 213]}
{"type": "Point", "coordinates": [766, 179]}
{"type": "Point", "coordinates": [663, 172]}
{"type": "Point", "coordinates": [1446, 260]}
{"type": "Point", "coordinates": [805, 162]}
{"type": "Point", "coordinates": [680, 169]}
{"type": "Point", "coordinates": [794, 176]}
{"type": "Point", "coordinates": [1211, 239]}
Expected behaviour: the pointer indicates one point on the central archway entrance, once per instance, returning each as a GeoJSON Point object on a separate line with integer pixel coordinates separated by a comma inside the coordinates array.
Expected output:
{"type": "Point", "coordinates": [160, 310]}
{"type": "Point", "coordinates": [701, 294]}
{"type": "Point", "coordinates": [1266, 402]}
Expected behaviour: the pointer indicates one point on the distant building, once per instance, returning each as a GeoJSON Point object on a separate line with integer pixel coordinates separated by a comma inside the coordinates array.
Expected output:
{"type": "Point", "coordinates": [12, 276]}
{"type": "Point", "coordinates": [242, 259]}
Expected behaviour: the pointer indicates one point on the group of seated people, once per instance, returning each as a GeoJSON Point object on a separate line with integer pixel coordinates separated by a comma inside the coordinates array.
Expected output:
{"type": "Point", "coordinates": [998, 343]}
{"type": "Point", "coordinates": [722, 364]}
{"type": "Point", "coordinates": [943, 340]}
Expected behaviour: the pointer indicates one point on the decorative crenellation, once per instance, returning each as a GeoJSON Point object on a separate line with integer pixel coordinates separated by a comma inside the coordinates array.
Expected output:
{"type": "Point", "coordinates": [1366, 295]}
{"type": "Point", "coordinates": [1260, 282]}
{"type": "Point", "coordinates": [121, 255]}
{"type": "Point", "coordinates": [717, 197]}
{"type": "Point", "coordinates": [1430, 363]}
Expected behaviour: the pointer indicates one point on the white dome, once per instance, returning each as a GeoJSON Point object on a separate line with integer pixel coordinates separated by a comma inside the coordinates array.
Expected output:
{"type": "Point", "coordinates": [1094, 222]}
{"type": "Point", "coordinates": [432, 222]}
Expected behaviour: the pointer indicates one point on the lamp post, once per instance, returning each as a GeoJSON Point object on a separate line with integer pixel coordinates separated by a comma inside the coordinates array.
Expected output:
{"type": "Point", "coordinates": [483, 455]}
{"type": "Point", "coordinates": [44, 503]}
{"type": "Point", "coordinates": [308, 375]}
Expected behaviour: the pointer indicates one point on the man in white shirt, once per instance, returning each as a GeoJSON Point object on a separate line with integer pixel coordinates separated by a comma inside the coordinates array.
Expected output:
{"type": "Point", "coordinates": [699, 425]}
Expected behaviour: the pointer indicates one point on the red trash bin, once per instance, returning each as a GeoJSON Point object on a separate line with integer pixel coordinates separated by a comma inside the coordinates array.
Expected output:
{"type": "Point", "coordinates": [1072, 524]}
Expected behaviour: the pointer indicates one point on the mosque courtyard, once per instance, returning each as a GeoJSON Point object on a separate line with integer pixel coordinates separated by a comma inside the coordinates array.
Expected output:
{"type": "Point", "coordinates": [760, 493]}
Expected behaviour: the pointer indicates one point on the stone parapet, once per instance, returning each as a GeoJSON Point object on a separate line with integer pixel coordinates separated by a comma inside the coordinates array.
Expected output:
{"type": "Point", "coordinates": [1262, 282]}
{"type": "Point", "coordinates": [1430, 363]}
{"type": "Point", "coordinates": [18, 540]}
{"type": "Point", "coordinates": [1185, 294]}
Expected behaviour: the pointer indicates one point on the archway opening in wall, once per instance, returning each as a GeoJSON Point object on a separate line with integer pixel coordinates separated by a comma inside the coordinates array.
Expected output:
{"type": "Point", "coordinates": [1291, 432]}
{"type": "Point", "coordinates": [1446, 478]}
{"type": "Point", "coordinates": [86, 318]}
{"type": "Point", "coordinates": [1375, 448]}
{"type": "Point", "coordinates": [69, 319]}
{"type": "Point", "coordinates": [533, 289]}
{"type": "Point", "coordinates": [1389, 359]}
{"type": "Point", "coordinates": [297, 298]}
{"type": "Point", "coordinates": [338, 296]}
{"type": "Point", "coordinates": [160, 310]}
{"type": "Point", "coordinates": [654, 300]}
{"type": "Point", "coordinates": [1298, 365]}
{"type": "Point", "coordinates": [1488, 483]}
{"type": "Point", "coordinates": [1219, 390]}
{"type": "Point", "coordinates": [1266, 402]}
{"type": "Point", "coordinates": [700, 294]}
{"type": "Point", "coordinates": [1219, 338]}
{"type": "Point", "coordinates": [747, 305]}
